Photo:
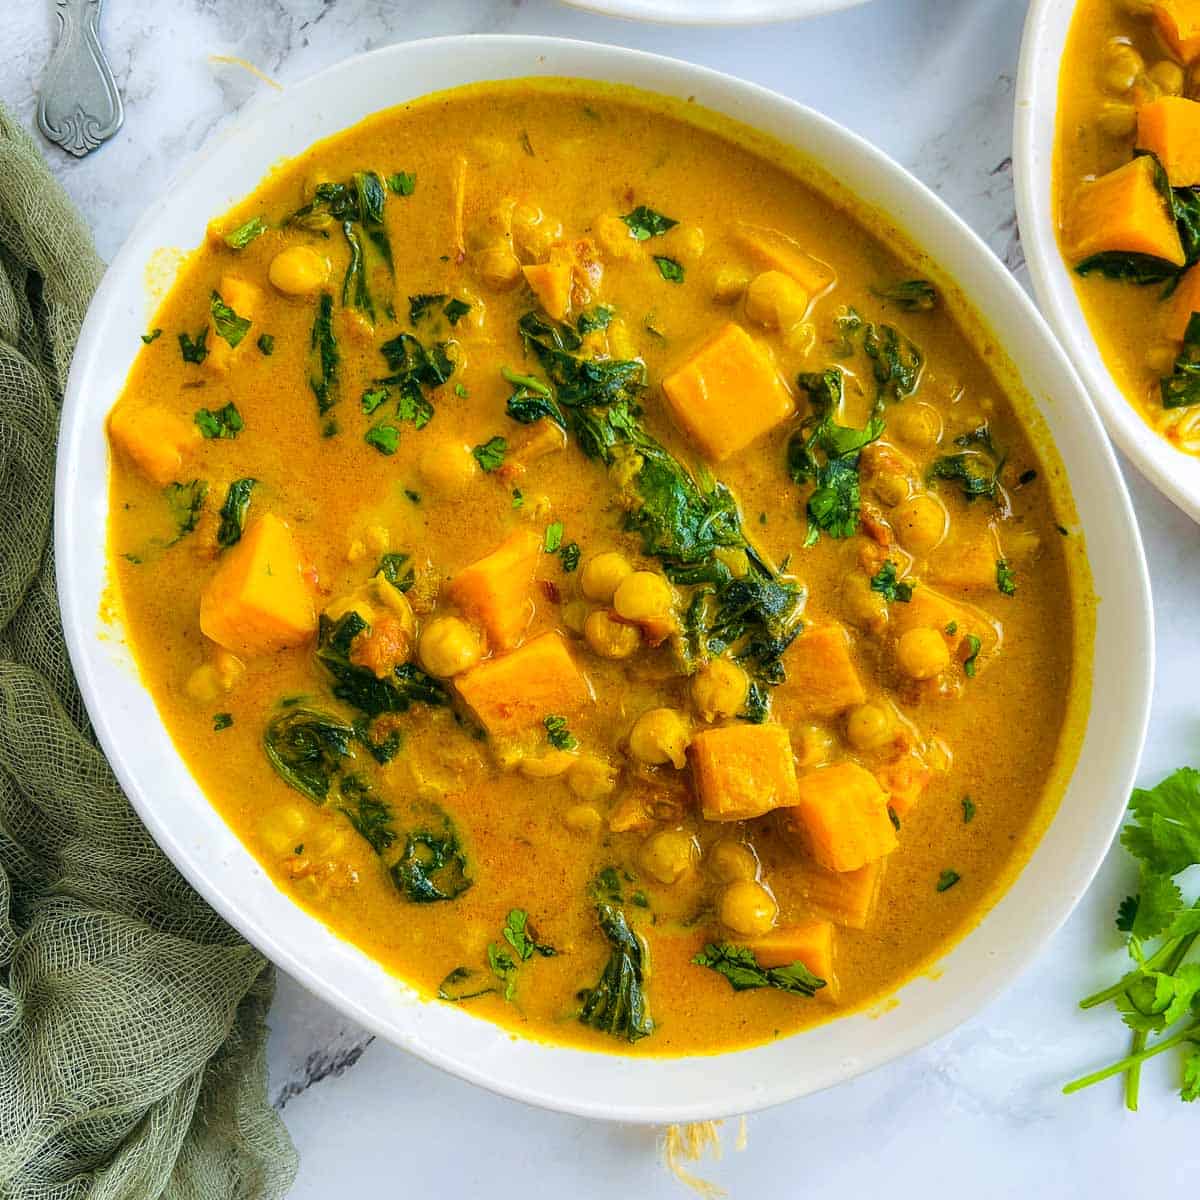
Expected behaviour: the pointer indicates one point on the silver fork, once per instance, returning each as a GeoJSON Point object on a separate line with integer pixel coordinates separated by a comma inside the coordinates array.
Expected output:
{"type": "Point", "coordinates": [79, 106]}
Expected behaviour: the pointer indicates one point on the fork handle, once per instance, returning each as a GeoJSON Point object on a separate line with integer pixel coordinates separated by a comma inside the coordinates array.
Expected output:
{"type": "Point", "coordinates": [79, 105]}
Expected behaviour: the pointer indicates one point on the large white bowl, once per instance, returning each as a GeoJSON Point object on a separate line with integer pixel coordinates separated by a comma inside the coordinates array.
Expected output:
{"type": "Point", "coordinates": [713, 12]}
{"type": "Point", "coordinates": [1174, 473]}
{"type": "Point", "coordinates": [212, 858]}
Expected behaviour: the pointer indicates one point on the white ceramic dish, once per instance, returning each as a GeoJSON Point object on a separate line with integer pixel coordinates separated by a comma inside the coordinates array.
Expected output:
{"type": "Point", "coordinates": [713, 12]}
{"type": "Point", "coordinates": [1174, 473]}
{"type": "Point", "coordinates": [212, 858]}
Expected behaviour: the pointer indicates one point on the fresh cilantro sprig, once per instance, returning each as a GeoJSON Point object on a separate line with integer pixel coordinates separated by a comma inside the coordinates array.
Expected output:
{"type": "Point", "coordinates": [1163, 989]}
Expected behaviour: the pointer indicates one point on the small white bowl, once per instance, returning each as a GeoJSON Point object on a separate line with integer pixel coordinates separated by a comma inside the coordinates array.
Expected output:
{"type": "Point", "coordinates": [713, 12]}
{"type": "Point", "coordinates": [212, 858]}
{"type": "Point", "coordinates": [1174, 473]}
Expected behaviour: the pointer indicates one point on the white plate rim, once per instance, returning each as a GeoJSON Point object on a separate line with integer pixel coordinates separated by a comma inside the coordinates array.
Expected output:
{"type": "Point", "coordinates": [715, 12]}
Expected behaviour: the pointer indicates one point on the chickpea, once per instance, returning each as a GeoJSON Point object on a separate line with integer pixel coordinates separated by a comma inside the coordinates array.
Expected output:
{"type": "Point", "coordinates": [922, 653]}
{"type": "Point", "coordinates": [1168, 77]}
{"type": "Point", "coordinates": [800, 338]}
{"type": "Point", "coordinates": [668, 855]}
{"type": "Point", "coordinates": [448, 467]}
{"type": "Point", "coordinates": [574, 615]}
{"type": "Point", "coordinates": [689, 242]}
{"type": "Point", "coordinates": [582, 818]}
{"type": "Point", "coordinates": [609, 637]}
{"type": "Point", "coordinates": [498, 267]}
{"type": "Point", "coordinates": [298, 271]}
{"type": "Point", "coordinates": [748, 908]}
{"type": "Point", "coordinates": [1120, 65]}
{"type": "Point", "coordinates": [728, 284]}
{"type": "Point", "coordinates": [661, 735]}
{"type": "Point", "coordinates": [601, 574]}
{"type": "Point", "coordinates": [591, 778]}
{"type": "Point", "coordinates": [868, 727]}
{"type": "Point", "coordinates": [776, 300]}
{"type": "Point", "coordinates": [892, 487]}
{"type": "Point", "coordinates": [1117, 118]}
{"type": "Point", "coordinates": [920, 523]}
{"type": "Point", "coordinates": [812, 744]}
{"type": "Point", "coordinates": [863, 606]}
{"type": "Point", "coordinates": [730, 861]}
{"type": "Point", "coordinates": [202, 685]}
{"type": "Point", "coordinates": [917, 425]}
{"type": "Point", "coordinates": [719, 689]}
{"type": "Point", "coordinates": [283, 828]}
{"type": "Point", "coordinates": [644, 596]}
{"type": "Point", "coordinates": [549, 765]}
{"type": "Point", "coordinates": [448, 647]}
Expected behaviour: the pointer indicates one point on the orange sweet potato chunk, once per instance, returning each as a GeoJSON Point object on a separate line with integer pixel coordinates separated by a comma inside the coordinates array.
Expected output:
{"type": "Point", "coordinates": [1123, 210]}
{"type": "Point", "coordinates": [519, 690]}
{"type": "Point", "coordinates": [1170, 129]}
{"type": "Point", "coordinates": [495, 591]}
{"type": "Point", "coordinates": [776, 251]}
{"type": "Point", "coordinates": [159, 443]}
{"type": "Point", "coordinates": [1179, 23]}
{"type": "Point", "coordinates": [969, 567]}
{"type": "Point", "coordinates": [743, 771]}
{"type": "Point", "coordinates": [551, 284]}
{"type": "Point", "coordinates": [1184, 303]}
{"type": "Point", "coordinates": [822, 673]}
{"type": "Point", "coordinates": [842, 817]}
{"type": "Point", "coordinates": [808, 942]}
{"type": "Point", "coordinates": [905, 780]}
{"type": "Point", "coordinates": [258, 602]}
{"type": "Point", "coordinates": [245, 299]}
{"type": "Point", "coordinates": [843, 897]}
{"type": "Point", "coordinates": [727, 394]}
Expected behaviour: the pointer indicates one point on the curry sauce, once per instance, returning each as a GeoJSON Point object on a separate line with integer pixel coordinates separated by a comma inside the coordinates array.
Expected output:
{"type": "Point", "coordinates": [595, 570]}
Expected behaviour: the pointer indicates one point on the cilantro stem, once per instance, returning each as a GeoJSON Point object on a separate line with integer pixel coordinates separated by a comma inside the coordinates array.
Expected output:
{"type": "Point", "coordinates": [1175, 951]}
{"type": "Point", "coordinates": [1133, 1077]}
{"type": "Point", "coordinates": [1133, 1060]}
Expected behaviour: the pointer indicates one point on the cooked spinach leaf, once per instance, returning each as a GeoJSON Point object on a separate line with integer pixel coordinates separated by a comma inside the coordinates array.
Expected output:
{"type": "Point", "coordinates": [222, 720]}
{"type": "Point", "coordinates": [307, 748]}
{"type": "Point", "coordinates": [266, 344]}
{"type": "Point", "coordinates": [224, 423]}
{"type": "Point", "coordinates": [570, 554]}
{"type": "Point", "coordinates": [243, 235]}
{"type": "Point", "coordinates": [896, 361]}
{"type": "Point", "coordinates": [560, 737]}
{"type": "Point", "coordinates": [226, 322]}
{"type": "Point", "coordinates": [884, 582]}
{"type": "Point", "coordinates": [384, 437]}
{"type": "Point", "coordinates": [913, 295]}
{"type": "Point", "coordinates": [1181, 389]}
{"type": "Point", "coordinates": [402, 183]}
{"type": "Point", "coordinates": [420, 304]}
{"type": "Point", "coordinates": [369, 815]}
{"type": "Point", "coordinates": [490, 455]}
{"type": "Point", "coordinates": [458, 986]}
{"type": "Point", "coordinates": [433, 866]}
{"type": "Point", "coordinates": [976, 469]}
{"type": "Point", "coordinates": [324, 358]}
{"type": "Point", "coordinates": [644, 223]}
{"type": "Point", "coordinates": [359, 687]}
{"type": "Point", "coordinates": [670, 269]}
{"type": "Point", "coordinates": [414, 369]}
{"type": "Point", "coordinates": [186, 502]}
{"type": "Point", "coordinates": [233, 512]}
{"type": "Point", "coordinates": [595, 319]}
{"type": "Point", "coordinates": [531, 400]}
{"type": "Point", "coordinates": [456, 310]}
{"type": "Point", "coordinates": [397, 569]}
{"type": "Point", "coordinates": [741, 968]}
{"type": "Point", "coordinates": [617, 1004]}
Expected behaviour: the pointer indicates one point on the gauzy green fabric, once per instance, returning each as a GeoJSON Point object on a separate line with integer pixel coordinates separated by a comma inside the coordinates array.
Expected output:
{"type": "Point", "coordinates": [132, 1018]}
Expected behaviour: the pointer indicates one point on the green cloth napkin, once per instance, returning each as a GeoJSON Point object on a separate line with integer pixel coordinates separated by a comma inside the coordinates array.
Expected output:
{"type": "Point", "coordinates": [132, 1018]}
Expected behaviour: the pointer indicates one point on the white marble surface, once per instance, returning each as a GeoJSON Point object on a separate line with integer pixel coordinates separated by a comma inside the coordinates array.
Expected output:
{"type": "Point", "coordinates": [979, 1113]}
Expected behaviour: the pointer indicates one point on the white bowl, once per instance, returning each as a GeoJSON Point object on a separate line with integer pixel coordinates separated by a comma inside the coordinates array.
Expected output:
{"type": "Point", "coordinates": [713, 12]}
{"type": "Point", "coordinates": [1174, 473]}
{"type": "Point", "coordinates": [207, 852]}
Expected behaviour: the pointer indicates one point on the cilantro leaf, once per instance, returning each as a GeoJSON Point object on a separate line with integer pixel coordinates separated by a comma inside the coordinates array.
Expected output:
{"type": "Point", "coordinates": [490, 455]}
{"type": "Point", "coordinates": [884, 582]}
{"type": "Point", "coordinates": [1191, 1075]}
{"type": "Point", "coordinates": [243, 235]}
{"type": "Point", "coordinates": [224, 423]}
{"type": "Point", "coordinates": [644, 223]}
{"type": "Point", "coordinates": [669, 268]}
{"type": "Point", "coordinates": [402, 183]}
{"type": "Point", "coordinates": [559, 735]}
{"type": "Point", "coordinates": [226, 322]}
{"type": "Point", "coordinates": [742, 969]}
{"type": "Point", "coordinates": [1165, 832]}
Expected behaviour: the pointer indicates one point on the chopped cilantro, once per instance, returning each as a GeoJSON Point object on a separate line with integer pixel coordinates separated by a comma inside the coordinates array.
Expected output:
{"type": "Point", "coordinates": [1006, 579]}
{"type": "Point", "coordinates": [559, 735]}
{"type": "Point", "coordinates": [152, 336]}
{"type": "Point", "coordinates": [644, 223]}
{"type": "Point", "coordinates": [403, 183]}
{"type": "Point", "coordinates": [224, 423]}
{"type": "Point", "coordinates": [947, 879]}
{"type": "Point", "coordinates": [490, 455]}
{"type": "Point", "coordinates": [554, 536]}
{"type": "Point", "coordinates": [384, 437]}
{"type": "Point", "coordinates": [669, 268]}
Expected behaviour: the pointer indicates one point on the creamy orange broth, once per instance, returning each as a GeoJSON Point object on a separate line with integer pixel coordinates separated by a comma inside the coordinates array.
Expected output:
{"type": "Point", "coordinates": [1117, 63]}
{"type": "Point", "coordinates": [549, 163]}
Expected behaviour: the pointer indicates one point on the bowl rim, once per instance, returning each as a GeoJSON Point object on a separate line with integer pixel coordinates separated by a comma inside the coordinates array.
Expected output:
{"type": "Point", "coordinates": [1172, 471]}
{"type": "Point", "coordinates": [716, 12]}
{"type": "Point", "coordinates": [615, 1087]}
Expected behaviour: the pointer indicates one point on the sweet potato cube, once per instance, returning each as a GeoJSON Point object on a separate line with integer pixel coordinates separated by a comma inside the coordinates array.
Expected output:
{"type": "Point", "coordinates": [1123, 211]}
{"type": "Point", "coordinates": [1179, 23]}
{"type": "Point", "coordinates": [727, 394]}
{"type": "Point", "coordinates": [843, 897]}
{"type": "Point", "coordinates": [1170, 129]}
{"type": "Point", "coordinates": [495, 591]}
{"type": "Point", "coordinates": [775, 251]}
{"type": "Point", "coordinates": [158, 442]}
{"type": "Point", "coordinates": [743, 771]}
{"type": "Point", "coordinates": [520, 690]}
{"type": "Point", "coordinates": [821, 672]}
{"type": "Point", "coordinates": [245, 299]}
{"type": "Point", "coordinates": [551, 284]}
{"type": "Point", "coordinates": [1184, 303]}
{"type": "Point", "coordinates": [842, 817]}
{"type": "Point", "coordinates": [258, 602]}
{"type": "Point", "coordinates": [808, 942]}
{"type": "Point", "coordinates": [929, 609]}
{"type": "Point", "coordinates": [969, 567]}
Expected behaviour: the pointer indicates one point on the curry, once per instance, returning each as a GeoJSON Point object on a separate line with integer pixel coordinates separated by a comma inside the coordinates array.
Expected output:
{"type": "Point", "coordinates": [596, 572]}
{"type": "Point", "coordinates": [1127, 198]}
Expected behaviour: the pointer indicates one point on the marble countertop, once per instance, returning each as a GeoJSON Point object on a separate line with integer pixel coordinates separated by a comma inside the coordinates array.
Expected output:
{"type": "Point", "coordinates": [931, 82]}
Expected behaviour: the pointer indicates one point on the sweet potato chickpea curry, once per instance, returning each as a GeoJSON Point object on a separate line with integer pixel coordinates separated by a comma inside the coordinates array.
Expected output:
{"type": "Point", "coordinates": [595, 574]}
{"type": "Point", "coordinates": [1127, 193]}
